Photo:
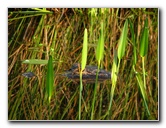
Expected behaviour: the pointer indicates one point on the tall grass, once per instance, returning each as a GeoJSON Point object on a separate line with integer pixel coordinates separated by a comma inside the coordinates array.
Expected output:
{"type": "Point", "coordinates": [34, 34]}
{"type": "Point", "coordinates": [99, 58]}
{"type": "Point", "coordinates": [83, 65]}
{"type": "Point", "coordinates": [116, 64]}
{"type": "Point", "coordinates": [49, 78]}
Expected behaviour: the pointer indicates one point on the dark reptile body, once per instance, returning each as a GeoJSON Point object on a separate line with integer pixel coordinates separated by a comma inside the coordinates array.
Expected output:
{"type": "Point", "coordinates": [88, 73]}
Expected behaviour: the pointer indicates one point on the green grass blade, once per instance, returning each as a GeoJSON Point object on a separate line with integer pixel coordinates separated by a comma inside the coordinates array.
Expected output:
{"type": "Point", "coordinates": [144, 40]}
{"type": "Point", "coordinates": [99, 57]}
{"type": "Point", "coordinates": [113, 78]}
{"type": "Point", "coordinates": [144, 47]}
{"type": "Point", "coordinates": [123, 41]}
{"type": "Point", "coordinates": [80, 95]}
{"type": "Point", "coordinates": [140, 82]}
{"type": "Point", "coordinates": [84, 50]}
{"type": "Point", "coordinates": [100, 45]}
{"type": "Point", "coordinates": [143, 92]}
{"type": "Point", "coordinates": [35, 61]}
{"type": "Point", "coordinates": [94, 96]}
{"type": "Point", "coordinates": [83, 64]}
{"type": "Point", "coordinates": [143, 70]}
{"type": "Point", "coordinates": [133, 41]}
{"type": "Point", "coordinates": [115, 67]}
{"type": "Point", "coordinates": [49, 78]}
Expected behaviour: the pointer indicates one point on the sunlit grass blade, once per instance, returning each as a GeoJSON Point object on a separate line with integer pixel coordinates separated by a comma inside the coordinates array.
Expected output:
{"type": "Point", "coordinates": [99, 57]}
{"type": "Point", "coordinates": [114, 79]}
{"type": "Point", "coordinates": [83, 64]}
{"type": "Point", "coordinates": [141, 85]}
{"type": "Point", "coordinates": [143, 51]}
{"type": "Point", "coordinates": [123, 41]}
{"type": "Point", "coordinates": [35, 61]}
{"type": "Point", "coordinates": [115, 68]}
{"type": "Point", "coordinates": [84, 50]}
{"type": "Point", "coordinates": [144, 40]}
{"type": "Point", "coordinates": [42, 10]}
{"type": "Point", "coordinates": [100, 46]}
{"type": "Point", "coordinates": [49, 78]}
{"type": "Point", "coordinates": [140, 82]}
{"type": "Point", "coordinates": [34, 11]}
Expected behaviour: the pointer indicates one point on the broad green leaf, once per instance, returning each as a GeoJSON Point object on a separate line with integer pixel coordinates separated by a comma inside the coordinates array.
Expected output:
{"type": "Point", "coordinates": [123, 41]}
{"type": "Point", "coordinates": [99, 57]}
{"type": "Point", "coordinates": [144, 40]}
{"type": "Point", "coordinates": [84, 50]}
{"type": "Point", "coordinates": [35, 61]}
{"type": "Point", "coordinates": [49, 78]}
{"type": "Point", "coordinates": [83, 64]}
{"type": "Point", "coordinates": [100, 45]}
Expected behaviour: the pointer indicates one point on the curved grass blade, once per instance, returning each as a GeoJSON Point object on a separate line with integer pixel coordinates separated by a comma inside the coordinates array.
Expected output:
{"type": "Point", "coordinates": [115, 68]}
{"type": "Point", "coordinates": [123, 41]}
{"type": "Point", "coordinates": [49, 78]}
{"type": "Point", "coordinates": [141, 85]}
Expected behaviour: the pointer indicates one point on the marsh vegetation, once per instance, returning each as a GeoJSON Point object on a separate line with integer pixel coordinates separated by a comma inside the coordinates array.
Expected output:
{"type": "Point", "coordinates": [35, 34]}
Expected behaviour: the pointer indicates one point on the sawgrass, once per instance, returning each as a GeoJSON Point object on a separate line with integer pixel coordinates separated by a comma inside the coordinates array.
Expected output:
{"type": "Point", "coordinates": [33, 36]}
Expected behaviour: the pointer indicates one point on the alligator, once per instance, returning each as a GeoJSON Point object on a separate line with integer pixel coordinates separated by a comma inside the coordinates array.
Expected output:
{"type": "Point", "coordinates": [89, 73]}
